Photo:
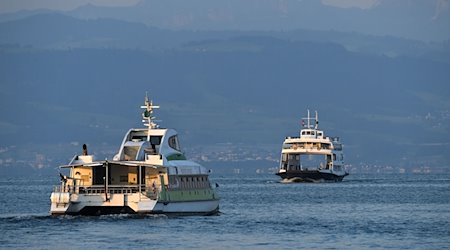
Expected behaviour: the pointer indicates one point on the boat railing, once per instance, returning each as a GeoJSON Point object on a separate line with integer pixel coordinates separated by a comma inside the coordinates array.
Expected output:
{"type": "Point", "coordinates": [310, 146]}
{"type": "Point", "coordinates": [100, 189]}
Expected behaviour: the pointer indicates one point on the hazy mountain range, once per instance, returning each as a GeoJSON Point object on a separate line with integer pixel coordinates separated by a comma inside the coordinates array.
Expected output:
{"type": "Point", "coordinates": [66, 80]}
{"type": "Point", "coordinates": [426, 20]}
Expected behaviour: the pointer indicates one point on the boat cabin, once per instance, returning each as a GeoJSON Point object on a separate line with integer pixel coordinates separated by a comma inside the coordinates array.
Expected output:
{"type": "Point", "coordinates": [155, 146]}
{"type": "Point", "coordinates": [311, 133]}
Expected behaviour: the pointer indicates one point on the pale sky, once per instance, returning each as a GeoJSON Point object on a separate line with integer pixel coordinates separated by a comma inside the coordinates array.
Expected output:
{"type": "Point", "coordinates": [16, 5]}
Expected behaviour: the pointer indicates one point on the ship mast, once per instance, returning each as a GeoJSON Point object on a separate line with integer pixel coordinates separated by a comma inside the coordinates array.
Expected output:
{"type": "Point", "coordinates": [309, 118]}
{"type": "Point", "coordinates": [147, 116]}
{"type": "Point", "coordinates": [317, 121]}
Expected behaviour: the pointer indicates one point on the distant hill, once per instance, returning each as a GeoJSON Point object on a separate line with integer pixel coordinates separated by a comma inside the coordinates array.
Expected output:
{"type": "Point", "coordinates": [415, 19]}
{"type": "Point", "coordinates": [58, 31]}
{"type": "Point", "coordinates": [250, 88]}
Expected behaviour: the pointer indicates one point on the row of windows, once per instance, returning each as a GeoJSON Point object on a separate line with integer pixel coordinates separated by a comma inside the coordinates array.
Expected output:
{"type": "Point", "coordinates": [311, 132]}
{"type": "Point", "coordinates": [189, 182]}
{"type": "Point", "coordinates": [156, 140]}
{"type": "Point", "coordinates": [296, 157]}
{"type": "Point", "coordinates": [310, 145]}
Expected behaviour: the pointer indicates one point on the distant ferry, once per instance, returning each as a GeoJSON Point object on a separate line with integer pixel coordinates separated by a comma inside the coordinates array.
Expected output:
{"type": "Point", "coordinates": [149, 175]}
{"type": "Point", "coordinates": [312, 157]}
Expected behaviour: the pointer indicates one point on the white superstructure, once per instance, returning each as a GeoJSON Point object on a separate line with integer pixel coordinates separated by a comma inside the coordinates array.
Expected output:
{"type": "Point", "coordinates": [312, 156]}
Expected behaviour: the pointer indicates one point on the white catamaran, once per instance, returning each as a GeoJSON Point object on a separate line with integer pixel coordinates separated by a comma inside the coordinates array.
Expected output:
{"type": "Point", "coordinates": [149, 174]}
{"type": "Point", "coordinates": [312, 157]}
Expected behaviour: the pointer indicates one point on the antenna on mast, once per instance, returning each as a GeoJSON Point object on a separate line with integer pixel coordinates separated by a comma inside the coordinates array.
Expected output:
{"type": "Point", "coordinates": [147, 115]}
{"type": "Point", "coordinates": [309, 126]}
{"type": "Point", "coordinates": [317, 121]}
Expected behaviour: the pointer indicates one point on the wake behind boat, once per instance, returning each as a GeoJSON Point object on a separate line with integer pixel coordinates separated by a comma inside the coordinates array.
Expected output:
{"type": "Point", "coordinates": [312, 157]}
{"type": "Point", "coordinates": [149, 175]}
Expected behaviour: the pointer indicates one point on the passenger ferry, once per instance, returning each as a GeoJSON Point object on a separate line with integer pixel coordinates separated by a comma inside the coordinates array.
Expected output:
{"type": "Point", "coordinates": [312, 157]}
{"type": "Point", "coordinates": [149, 175]}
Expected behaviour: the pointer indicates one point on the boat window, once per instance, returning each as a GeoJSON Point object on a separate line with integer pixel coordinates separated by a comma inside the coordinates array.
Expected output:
{"type": "Point", "coordinates": [98, 173]}
{"type": "Point", "coordinates": [313, 133]}
{"type": "Point", "coordinates": [130, 152]}
{"type": "Point", "coordinates": [173, 142]}
{"type": "Point", "coordinates": [138, 138]}
{"type": "Point", "coordinates": [303, 132]}
{"type": "Point", "coordinates": [155, 140]}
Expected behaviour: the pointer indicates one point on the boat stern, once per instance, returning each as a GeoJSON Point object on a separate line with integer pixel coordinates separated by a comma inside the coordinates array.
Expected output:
{"type": "Point", "coordinates": [59, 202]}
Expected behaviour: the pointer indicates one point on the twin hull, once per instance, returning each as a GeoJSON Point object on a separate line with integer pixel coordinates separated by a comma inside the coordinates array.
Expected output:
{"type": "Point", "coordinates": [130, 203]}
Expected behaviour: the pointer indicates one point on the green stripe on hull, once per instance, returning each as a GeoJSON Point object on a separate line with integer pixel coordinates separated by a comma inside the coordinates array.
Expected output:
{"type": "Point", "coordinates": [188, 195]}
{"type": "Point", "coordinates": [176, 157]}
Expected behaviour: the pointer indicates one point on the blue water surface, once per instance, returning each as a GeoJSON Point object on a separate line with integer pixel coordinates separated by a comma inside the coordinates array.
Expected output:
{"type": "Point", "coordinates": [257, 212]}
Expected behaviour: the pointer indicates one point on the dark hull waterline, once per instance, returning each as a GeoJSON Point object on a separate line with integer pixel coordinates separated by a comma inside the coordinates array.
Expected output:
{"type": "Point", "coordinates": [107, 210]}
{"type": "Point", "coordinates": [311, 176]}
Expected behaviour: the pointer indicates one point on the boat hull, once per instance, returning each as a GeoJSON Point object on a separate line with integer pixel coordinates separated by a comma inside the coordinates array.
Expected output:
{"type": "Point", "coordinates": [311, 176]}
{"type": "Point", "coordinates": [207, 207]}
{"type": "Point", "coordinates": [120, 204]}
{"type": "Point", "coordinates": [102, 210]}
{"type": "Point", "coordinates": [174, 208]}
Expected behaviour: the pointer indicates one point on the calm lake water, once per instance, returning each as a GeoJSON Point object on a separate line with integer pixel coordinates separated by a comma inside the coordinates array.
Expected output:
{"type": "Point", "coordinates": [258, 212]}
